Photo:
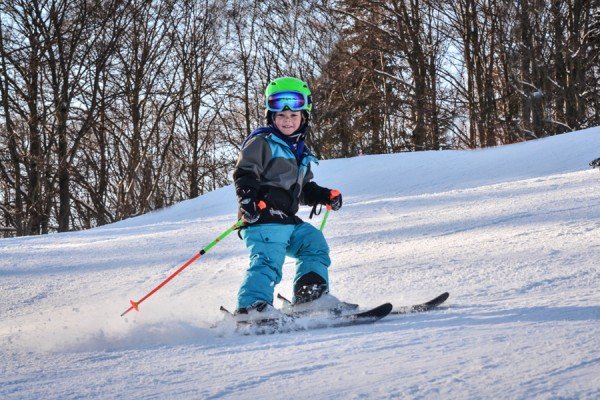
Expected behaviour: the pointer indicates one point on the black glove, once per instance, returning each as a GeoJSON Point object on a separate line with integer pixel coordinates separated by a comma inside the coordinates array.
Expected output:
{"type": "Point", "coordinates": [250, 211]}
{"type": "Point", "coordinates": [335, 199]}
{"type": "Point", "coordinates": [248, 206]}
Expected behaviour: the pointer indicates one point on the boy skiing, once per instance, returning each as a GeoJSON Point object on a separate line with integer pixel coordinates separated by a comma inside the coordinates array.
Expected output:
{"type": "Point", "coordinates": [272, 178]}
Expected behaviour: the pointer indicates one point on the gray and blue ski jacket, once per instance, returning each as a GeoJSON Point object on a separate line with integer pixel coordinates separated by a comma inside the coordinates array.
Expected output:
{"type": "Point", "coordinates": [269, 169]}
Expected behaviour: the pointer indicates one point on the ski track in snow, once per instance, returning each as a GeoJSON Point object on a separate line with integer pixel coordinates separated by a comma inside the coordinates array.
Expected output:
{"type": "Point", "coordinates": [511, 232]}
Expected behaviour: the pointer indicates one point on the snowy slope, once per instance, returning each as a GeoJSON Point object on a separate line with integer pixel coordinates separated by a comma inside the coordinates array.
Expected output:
{"type": "Point", "coordinates": [512, 232]}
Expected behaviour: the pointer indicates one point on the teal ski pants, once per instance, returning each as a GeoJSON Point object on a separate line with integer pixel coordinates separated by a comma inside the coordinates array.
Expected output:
{"type": "Point", "coordinates": [268, 245]}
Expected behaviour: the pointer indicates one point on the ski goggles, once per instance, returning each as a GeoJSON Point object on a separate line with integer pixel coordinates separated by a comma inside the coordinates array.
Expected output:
{"type": "Point", "coordinates": [294, 101]}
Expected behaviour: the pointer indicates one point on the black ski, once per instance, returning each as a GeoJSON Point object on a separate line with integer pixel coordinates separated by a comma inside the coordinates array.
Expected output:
{"type": "Point", "coordinates": [302, 323]}
{"type": "Point", "coordinates": [416, 308]}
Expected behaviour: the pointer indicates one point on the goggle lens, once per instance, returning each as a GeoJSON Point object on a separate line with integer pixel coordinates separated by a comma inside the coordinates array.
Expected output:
{"type": "Point", "coordinates": [293, 100]}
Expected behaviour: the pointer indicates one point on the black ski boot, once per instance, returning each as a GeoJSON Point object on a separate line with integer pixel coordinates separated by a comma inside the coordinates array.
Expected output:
{"type": "Point", "coordinates": [259, 311]}
{"type": "Point", "coordinates": [311, 296]}
{"type": "Point", "coordinates": [309, 287]}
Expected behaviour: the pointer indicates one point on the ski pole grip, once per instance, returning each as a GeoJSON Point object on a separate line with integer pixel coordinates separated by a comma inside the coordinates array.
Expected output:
{"type": "Point", "coordinates": [333, 193]}
{"type": "Point", "coordinates": [262, 205]}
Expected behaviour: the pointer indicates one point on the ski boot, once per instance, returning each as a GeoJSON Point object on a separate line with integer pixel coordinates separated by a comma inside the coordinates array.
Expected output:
{"type": "Point", "coordinates": [311, 297]}
{"type": "Point", "coordinates": [258, 312]}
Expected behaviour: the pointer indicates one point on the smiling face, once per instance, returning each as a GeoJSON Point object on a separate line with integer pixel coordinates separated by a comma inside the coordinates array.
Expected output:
{"type": "Point", "coordinates": [288, 121]}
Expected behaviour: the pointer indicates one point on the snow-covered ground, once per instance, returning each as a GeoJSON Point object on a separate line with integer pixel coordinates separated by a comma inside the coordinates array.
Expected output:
{"type": "Point", "coordinates": [513, 233]}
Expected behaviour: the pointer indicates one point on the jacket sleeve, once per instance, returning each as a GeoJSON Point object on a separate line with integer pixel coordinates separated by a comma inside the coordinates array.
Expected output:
{"type": "Point", "coordinates": [252, 160]}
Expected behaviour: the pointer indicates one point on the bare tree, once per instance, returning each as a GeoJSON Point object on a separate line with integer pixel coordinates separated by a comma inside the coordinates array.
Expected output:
{"type": "Point", "coordinates": [147, 86]}
{"type": "Point", "coordinates": [198, 47]}
{"type": "Point", "coordinates": [404, 51]}
{"type": "Point", "coordinates": [21, 52]}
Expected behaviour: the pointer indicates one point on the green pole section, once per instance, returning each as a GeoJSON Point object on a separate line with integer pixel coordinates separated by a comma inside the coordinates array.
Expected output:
{"type": "Point", "coordinates": [325, 218]}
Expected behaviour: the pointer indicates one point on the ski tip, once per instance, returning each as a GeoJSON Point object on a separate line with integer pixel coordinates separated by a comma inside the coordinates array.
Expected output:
{"type": "Point", "coordinates": [283, 298]}
{"type": "Point", "coordinates": [438, 300]}
{"type": "Point", "coordinates": [225, 311]}
{"type": "Point", "coordinates": [374, 314]}
{"type": "Point", "coordinates": [385, 307]}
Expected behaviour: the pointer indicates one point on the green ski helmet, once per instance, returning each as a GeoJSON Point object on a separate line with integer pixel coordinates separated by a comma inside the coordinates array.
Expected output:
{"type": "Point", "coordinates": [288, 93]}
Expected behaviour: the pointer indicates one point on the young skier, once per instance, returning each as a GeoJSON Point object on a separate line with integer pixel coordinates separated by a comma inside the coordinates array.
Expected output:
{"type": "Point", "coordinates": [272, 178]}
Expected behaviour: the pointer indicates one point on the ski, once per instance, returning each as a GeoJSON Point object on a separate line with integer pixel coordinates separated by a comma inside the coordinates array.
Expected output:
{"type": "Point", "coordinates": [296, 323]}
{"type": "Point", "coordinates": [416, 308]}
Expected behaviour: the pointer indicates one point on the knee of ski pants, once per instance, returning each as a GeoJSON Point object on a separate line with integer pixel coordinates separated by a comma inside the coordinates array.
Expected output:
{"type": "Point", "coordinates": [309, 247]}
{"type": "Point", "coordinates": [267, 244]}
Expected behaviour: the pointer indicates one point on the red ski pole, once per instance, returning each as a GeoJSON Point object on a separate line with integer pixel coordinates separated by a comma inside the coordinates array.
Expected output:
{"type": "Point", "coordinates": [135, 304]}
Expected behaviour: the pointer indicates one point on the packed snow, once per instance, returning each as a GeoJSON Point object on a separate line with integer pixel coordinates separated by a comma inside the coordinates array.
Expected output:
{"type": "Point", "coordinates": [513, 233]}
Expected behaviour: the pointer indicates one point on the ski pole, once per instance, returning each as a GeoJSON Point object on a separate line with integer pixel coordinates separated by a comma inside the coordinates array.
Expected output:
{"type": "Point", "coordinates": [332, 194]}
{"type": "Point", "coordinates": [325, 217]}
{"type": "Point", "coordinates": [136, 304]}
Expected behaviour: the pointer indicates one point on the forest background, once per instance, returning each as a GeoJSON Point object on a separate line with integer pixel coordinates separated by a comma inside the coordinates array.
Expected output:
{"type": "Point", "coordinates": [113, 108]}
